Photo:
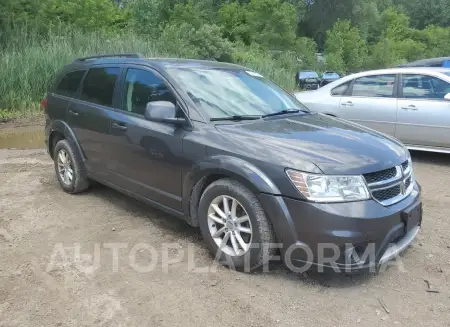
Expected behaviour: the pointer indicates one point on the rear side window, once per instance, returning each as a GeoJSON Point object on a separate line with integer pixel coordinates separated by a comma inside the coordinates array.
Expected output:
{"type": "Point", "coordinates": [377, 86]}
{"type": "Point", "coordinates": [99, 84]}
{"type": "Point", "coordinates": [341, 89]}
{"type": "Point", "coordinates": [68, 85]}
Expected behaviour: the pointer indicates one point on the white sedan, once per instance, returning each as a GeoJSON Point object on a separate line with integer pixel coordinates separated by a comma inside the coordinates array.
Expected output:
{"type": "Point", "coordinates": [411, 104]}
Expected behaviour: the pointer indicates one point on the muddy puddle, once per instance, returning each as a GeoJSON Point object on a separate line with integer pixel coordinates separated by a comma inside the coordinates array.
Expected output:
{"type": "Point", "coordinates": [22, 138]}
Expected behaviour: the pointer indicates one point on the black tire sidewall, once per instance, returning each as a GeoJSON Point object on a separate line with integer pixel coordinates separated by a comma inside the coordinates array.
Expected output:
{"type": "Point", "coordinates": [251, 258]}
{"type": "Point", "coordinates": [77, 169]}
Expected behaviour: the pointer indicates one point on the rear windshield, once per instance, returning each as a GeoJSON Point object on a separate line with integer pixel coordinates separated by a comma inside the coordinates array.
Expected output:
{"type": "Point", "coordinates": [308, 75]}
{"type": "Point", "coordinates": [330, 75]}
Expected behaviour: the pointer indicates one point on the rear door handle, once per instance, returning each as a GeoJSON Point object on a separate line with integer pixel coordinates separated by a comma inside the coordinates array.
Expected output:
{"type": "Point", "coordinates": [73, 113]}
{"type": "Point", "coordinates": [410, 107]}
{"type": "Point", "coordinates": [348, 103]}
{"type": "Point", "coordinates": [119, 125]}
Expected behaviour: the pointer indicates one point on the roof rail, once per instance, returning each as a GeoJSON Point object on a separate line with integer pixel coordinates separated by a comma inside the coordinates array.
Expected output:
{"type": "Point", "coordinates": [118, 55]}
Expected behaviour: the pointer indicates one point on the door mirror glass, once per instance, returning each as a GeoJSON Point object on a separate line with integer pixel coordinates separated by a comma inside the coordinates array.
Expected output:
{"type": "Point", "coordinates": [164, 112]}
{"type": "Point", "coordinates": [447, 97]}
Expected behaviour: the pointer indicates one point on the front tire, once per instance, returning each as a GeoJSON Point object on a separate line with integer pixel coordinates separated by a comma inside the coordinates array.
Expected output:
{"type": "Point", "coordinates": [69, 168]}
{"type": "Point", "coordinates": [234, 226]}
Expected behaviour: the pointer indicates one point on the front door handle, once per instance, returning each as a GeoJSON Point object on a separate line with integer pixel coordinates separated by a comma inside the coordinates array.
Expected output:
{"type": "Point", "coordinates": [410, 107]}
{"type": "Point", "coordinates": [119, 125]}
{"type": "Point", "coordinates": [348, 103]}
{"type": "Point", "coordinates": [73, 113]}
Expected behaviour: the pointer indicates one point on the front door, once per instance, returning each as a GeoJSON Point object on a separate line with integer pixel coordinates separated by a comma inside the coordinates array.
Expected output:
{"type": "Point", "coordinates": [423, 113]}
{"type": "Point", "coordinates": [147, 156]}
{"type": "Point", "coordinates": [372, 103]}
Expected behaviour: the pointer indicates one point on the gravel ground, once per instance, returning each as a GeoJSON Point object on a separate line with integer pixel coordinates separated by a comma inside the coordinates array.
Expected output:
{"type": "Point", "coordinates": [43, 282]}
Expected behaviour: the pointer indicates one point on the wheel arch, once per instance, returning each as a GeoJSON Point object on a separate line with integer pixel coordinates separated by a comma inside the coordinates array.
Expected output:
{"type": "Point", "coordinates": [60, 130]}
{"type": "Point", "coordinates": [206, 172]}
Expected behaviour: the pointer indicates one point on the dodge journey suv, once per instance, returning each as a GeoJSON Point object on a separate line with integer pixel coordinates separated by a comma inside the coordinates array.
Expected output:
{"type": "Point", "coordinates": [225, 149]}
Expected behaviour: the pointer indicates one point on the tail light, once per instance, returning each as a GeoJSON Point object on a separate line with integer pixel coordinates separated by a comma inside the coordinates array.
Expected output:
{"type": "Point", "coordinates": [44, 103]}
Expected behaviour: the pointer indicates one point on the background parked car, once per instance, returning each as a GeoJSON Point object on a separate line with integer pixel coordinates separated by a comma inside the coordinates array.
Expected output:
{"type": "Point", "coordinates": [412, 104]}
{"type": "Point", "coordinates": [329, 77]}
{"type": "Point", "coordinates": [433, 62]}
{"type": "Point", "coordinates": [308, 80]}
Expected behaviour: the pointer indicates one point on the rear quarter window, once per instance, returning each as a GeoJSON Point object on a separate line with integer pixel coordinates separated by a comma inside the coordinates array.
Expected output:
{"type": "Point", "coordinates": [69, 84]}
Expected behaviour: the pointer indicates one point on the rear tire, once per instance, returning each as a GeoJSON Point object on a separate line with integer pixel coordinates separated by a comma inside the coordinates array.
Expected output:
{"type": "Point", "coordinates": [250, 234]}
{"type": "Point", "coordinates": [69, 168]}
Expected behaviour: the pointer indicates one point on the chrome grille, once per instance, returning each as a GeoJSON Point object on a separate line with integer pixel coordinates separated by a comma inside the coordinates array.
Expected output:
{"type": "Point", "coordinates": [407, 182]}
{"type": "Point", "coordinates": [405, 165]}
{"type": "Point", "coordinates": [390, 185]}
{"type": "Point", "coordinates": [387, 193]}
{"type": "Point", "coordinates": [380, 175]}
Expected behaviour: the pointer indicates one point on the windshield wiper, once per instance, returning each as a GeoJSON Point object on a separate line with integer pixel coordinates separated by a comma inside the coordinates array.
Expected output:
{"type": "Point", "coordinates": [284, 112]}
{"type": "Point", "coordinates": [236, 117]}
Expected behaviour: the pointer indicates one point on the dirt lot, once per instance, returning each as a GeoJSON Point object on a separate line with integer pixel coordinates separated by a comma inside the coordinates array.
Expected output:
{"type": "Point", "coordinates": [38, 222]}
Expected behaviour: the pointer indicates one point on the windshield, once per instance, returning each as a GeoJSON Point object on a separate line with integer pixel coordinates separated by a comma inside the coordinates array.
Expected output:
{"type": "Point", "coordinates": [225, 92]}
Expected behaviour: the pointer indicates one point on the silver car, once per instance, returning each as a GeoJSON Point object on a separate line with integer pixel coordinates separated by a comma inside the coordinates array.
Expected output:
{"type": "Point", "coordinates": [411, 104]}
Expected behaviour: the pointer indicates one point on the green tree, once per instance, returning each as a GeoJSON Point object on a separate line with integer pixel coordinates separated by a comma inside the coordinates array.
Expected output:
{"type": "Point", "coordinates": [437, 41]}
{"type": "Point", "coordinates": [85, 14]}
{"type": "Point", "coordinates": [424, 13]}
{"type": "Point", "coordinates": [345, 47]}
{"type": "Point", "coordinates": [272, 23]}
{"type": "Point", "coordinates": [146, 16]}
{"type": "Point", "coordinates": [232, 16]}
{"type": "Point", "coordinates": [187, 41]}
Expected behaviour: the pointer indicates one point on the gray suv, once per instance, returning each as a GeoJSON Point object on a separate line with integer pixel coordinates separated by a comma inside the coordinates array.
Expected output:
{"type": "Point", "coordinates": [228, 151]}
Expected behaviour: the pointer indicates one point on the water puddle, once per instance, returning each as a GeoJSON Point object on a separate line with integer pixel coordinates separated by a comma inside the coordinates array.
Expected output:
{"type": "Point", "coordinates": [22, 138]}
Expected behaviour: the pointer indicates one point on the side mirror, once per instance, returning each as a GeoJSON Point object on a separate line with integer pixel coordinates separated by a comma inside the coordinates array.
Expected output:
{"type": "Point", "coordinates": [447, 97]}
{"type": "Point", "coordinates": [163, 112]}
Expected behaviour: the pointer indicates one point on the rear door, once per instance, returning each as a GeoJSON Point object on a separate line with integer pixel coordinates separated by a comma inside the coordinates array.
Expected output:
{"type": "Point", "coordinates": [89, 119]}
{"type": "Point", "coordinates": [423, 113]}
{"type": "Point", "coordinates": [64, 91]}
{"type": "Point", "coordinates": [371, 101]}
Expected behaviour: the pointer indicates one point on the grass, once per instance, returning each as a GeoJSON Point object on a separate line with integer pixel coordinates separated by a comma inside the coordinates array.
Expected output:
{"type": "Point", "coordinates": [29, 61]}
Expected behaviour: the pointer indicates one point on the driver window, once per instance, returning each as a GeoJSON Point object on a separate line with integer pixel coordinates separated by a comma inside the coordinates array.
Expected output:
{"type": "Point", "coordinates": [141, 87]}
{"type": "Point", "coordinates": [424, 87]}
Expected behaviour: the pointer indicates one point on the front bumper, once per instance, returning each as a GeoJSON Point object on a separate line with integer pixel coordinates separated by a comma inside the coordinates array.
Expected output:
{"type": "Point", "coordinates": [318, 230]}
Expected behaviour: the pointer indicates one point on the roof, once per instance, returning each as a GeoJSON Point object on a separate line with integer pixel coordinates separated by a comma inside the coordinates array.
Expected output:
{"type": "Point", "coordinates": [397, 70]}
{"type": "Point", "coordinates": [163, 63]}
{"type": "Point", "coordinates": [400, 70]}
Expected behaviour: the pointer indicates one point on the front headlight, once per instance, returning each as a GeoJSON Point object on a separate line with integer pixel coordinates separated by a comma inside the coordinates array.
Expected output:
{"type": "Point", "coordinates": [323, 188]}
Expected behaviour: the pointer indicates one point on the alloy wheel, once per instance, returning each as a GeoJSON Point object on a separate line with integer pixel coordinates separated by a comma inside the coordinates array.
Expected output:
{"type": "Point", "coordinates": [65, 167]}
{"type": "Point", "coordinates": [230, 225]}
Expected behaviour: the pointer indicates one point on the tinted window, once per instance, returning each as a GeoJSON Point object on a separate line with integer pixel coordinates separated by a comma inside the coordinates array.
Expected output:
{"type": "Point", "coordinates": [98, 86]}
{"type": "Point", "coordinates": [424, 87]}
{"type": "Point", "coordinates": [379, 86]}
{"type": "Point", "coordinates": [141, 87]}
{"type": "Point", "coordinates": [68, 86]}
{"type": "Point", "coordinates": [341, 89]}
{"type": "Point", "coordinates": [303, 75]}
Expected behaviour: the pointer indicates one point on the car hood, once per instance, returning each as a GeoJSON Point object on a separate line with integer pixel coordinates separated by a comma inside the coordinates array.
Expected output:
{"type": "Point", "coordinates": [315, 143]}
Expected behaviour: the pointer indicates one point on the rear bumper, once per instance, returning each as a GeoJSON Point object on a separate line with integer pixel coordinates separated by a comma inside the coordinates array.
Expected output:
{"type": "Point", "coordinates": [345, 236]}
